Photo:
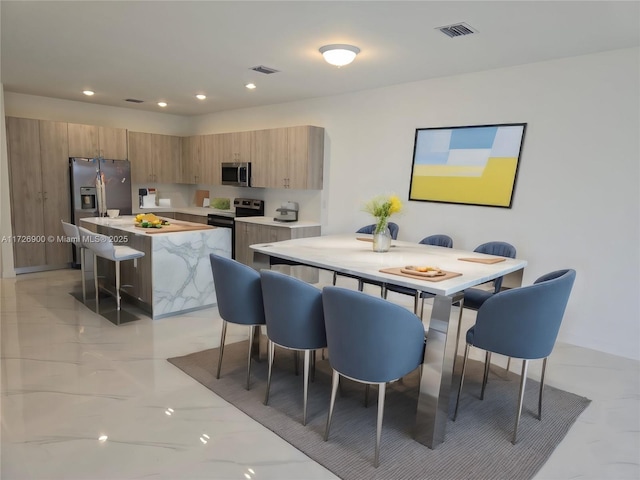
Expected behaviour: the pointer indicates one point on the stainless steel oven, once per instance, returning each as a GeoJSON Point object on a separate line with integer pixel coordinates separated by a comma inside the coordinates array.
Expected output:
{"type": "Point", "coordinates": [244, 207]}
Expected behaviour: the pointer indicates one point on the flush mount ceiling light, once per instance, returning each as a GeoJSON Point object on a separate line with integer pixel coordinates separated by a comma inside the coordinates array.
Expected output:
{"type": "Point", "coordinates": [339, 54]}
{"type": "Point", "coordinates": [162, 104]}
{"type": "Point", "coordinates": [201, 96]}
{"type": "Point", "coordinates": [250, 86]}
{"type": "Point", "coordinates": [88, 93]}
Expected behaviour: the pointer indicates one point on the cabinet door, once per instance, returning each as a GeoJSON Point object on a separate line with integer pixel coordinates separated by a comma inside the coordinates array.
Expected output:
{"type": "Point", "coordinates": [140, 157]}
{"type": "Point", "coordinates": [165, 158]}
{"type": "Point", "coordinates": [191, 155]}
{"type": "Point", "coordinates": [242, 244]}
{"type": "Point", "coordinates": [54, 154]}
{"type": "Point", "coordinates": [25, 177]}
{"type": "Point", "coordinates": [113, 143]}
{"type": "Point", "coordinates": [207, 160]}
{"type": "Point", "coordinates": [269, 162]}
{"type": "Point", "coordinates": [305, 154]}
{"type": "Point", "coordinates": [84, 140]}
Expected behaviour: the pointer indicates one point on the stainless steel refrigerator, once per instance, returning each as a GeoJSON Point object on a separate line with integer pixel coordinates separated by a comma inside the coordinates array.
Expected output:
{"type": "Point", "coordinates": [96, 185]}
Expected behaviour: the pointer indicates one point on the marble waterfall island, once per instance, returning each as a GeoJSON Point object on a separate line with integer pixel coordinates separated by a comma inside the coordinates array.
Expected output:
{"type": "Point", "coordinates": [174, 276]}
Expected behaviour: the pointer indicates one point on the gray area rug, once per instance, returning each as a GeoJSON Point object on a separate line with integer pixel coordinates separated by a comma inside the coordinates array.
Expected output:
{"type": "Point", "coordinates": [477, 445]}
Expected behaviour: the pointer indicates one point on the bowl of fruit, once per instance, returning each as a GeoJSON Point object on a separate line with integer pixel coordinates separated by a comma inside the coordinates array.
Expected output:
{"type": "Point", "coordinates": [149, 220]}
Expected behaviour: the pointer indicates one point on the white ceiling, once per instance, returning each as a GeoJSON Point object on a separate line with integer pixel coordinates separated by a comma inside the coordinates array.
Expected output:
{"type": "Point", "coordinates": [158, 50]}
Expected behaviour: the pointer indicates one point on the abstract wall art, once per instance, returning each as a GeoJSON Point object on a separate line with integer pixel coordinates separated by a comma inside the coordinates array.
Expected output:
{"type": "Point", "coordinates": [474, 165]}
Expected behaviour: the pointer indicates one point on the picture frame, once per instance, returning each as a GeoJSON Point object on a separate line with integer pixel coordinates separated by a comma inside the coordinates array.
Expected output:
{"type": "Point", "coordinates": [471, 165]}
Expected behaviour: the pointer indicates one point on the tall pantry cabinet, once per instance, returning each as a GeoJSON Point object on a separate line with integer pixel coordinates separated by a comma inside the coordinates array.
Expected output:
{"type": "Point", "coordinates": [38, 154]}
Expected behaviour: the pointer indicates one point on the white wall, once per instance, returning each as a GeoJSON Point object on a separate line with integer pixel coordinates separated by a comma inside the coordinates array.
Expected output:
{"type": "Point", "coordinates": [576, 201]}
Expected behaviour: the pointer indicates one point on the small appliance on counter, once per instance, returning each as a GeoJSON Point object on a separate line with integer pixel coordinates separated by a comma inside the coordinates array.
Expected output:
{"type": "Point", "coordinates": [147, 197]}
{"type": "Point", "coordinates": [288, 212]}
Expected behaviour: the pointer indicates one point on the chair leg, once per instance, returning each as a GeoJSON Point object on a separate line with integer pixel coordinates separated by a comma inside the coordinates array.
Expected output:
{"type": "Point", "coordinates": [296, 361]}
{"type": "Point", "coordinates": [544, 369]}
{"type": "Point", "coordinates": [335, 380]}
{"type": "Point", "coordinates": [83, 271]}
{"type": "Point", "coordinates": [270, 354]}
{"type": "Point", "coordinates": [222, 337]}
{"type": "Point", "coordinates": [421, 309]}
{"type": "Point", "coordinates": [95, 279]}
{"type": "Point", "coordinates": [464, 368]}
{"type": "Point", "coordinates": [335, 277]}
{"type": "Point", "coordinates": [382, 387]}
{"type": "Point", "coordinates": [251, 332]}
{"type": "Point", "coordinates": [313, 366]}
{"type": "Point", "coordinates": [360, 285]}
{"type": "Point", "coordinates": [307, 365]}
{"type": "Point", "coordinates": [508, 363]}
{"type": "Point", "coordinates": [416, 301]}
{"type": "Point", "coordinates": [117, 285]}
{"type": "Point", "coordinates": [523, 382]}
{"type": "Point", "coordinates": [487, 362]}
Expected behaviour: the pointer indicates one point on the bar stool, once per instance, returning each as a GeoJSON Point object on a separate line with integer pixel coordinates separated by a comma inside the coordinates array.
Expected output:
{"type": "Point", "coordinates": [102, 246]}
{"type": "Point", "coordinates": [73, 235]}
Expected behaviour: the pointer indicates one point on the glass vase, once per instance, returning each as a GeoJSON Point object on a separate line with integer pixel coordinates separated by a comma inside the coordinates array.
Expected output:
{"type": "Point", "coordinates": [382, 238]}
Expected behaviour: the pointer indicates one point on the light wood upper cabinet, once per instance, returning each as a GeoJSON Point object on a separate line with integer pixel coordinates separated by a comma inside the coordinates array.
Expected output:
{"type": "Point", "coordinates": [305, 157]}
{"type": "Point", "coordinates": [237, 147]}
{"type": "Point", "coordinates": [90, 141]}
{"type": "Point", "coordinates": [113, 143]}
{"type": "Point", "coordinates": [288, 158]}
{"type": "Point", "coordinates": [192, 159]}
{"type": "Point", "coordinates": [155, 158]}
{"type": "Point", "coordinates": [39, 180]}
{"type": "Point", "coordinates": [269, 160]}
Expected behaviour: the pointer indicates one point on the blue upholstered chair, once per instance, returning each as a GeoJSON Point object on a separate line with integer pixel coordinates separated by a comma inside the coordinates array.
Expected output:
{"type": "Point", "coordinates": [371, 341]}
{"type": "Point", "coordinates": [475, 297]}
{"type": "Point", "coordinates": [369, 229]}
{"type": "Point", "coordinates": [239, 297]}
{"type": "Point", "coordinates": [521, 323]}
{"type": "Point", "coordinates": [295, 320]}
{"type": "Point", "coordinates": [438, 240]}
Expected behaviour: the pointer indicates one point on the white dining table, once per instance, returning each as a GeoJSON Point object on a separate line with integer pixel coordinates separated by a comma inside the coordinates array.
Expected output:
{"type": "Point", "coordinates": [352, 254]}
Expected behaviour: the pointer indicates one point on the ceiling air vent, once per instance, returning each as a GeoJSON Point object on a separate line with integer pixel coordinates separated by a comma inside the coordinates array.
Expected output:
{"type": "Point", "coordinates": [263, 69]}
{"type": "Point", "coordinates": [133, 100]}
{"type": "Point", "coordinates": [457, 30]}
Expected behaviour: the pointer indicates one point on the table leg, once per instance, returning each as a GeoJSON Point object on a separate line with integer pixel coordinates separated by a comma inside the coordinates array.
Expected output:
{"type": "Point", "coordinates": [437, 372]}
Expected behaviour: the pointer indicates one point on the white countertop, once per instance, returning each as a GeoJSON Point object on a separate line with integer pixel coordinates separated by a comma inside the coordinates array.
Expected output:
{"type": "Point", "coordinates": [126, 223]}
{"type": "Point", "coordinates": [271, 222]}
{"type": "Point", "coordinates": [202, 211]}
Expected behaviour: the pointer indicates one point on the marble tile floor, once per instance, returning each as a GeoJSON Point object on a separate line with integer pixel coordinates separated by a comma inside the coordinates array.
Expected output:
{"type": "Point", "coordinates": [70, 377]}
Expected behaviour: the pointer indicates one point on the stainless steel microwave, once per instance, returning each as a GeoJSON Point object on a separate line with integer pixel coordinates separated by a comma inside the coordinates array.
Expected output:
{"type": "Point", "coordinates": [237, 174]}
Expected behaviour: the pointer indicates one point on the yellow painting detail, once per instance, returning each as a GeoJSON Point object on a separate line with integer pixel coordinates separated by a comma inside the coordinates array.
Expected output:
{"type": "Point", "coordinates": [493, 187]}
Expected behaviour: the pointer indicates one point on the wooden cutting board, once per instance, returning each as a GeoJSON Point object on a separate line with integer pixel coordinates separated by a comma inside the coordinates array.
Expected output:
{"type": "Point", "coordinates": [418, 275]}
{"type": "Point", "coordinates": [175, 228]}
{"type": "Point", "coordinates": [488, 261]}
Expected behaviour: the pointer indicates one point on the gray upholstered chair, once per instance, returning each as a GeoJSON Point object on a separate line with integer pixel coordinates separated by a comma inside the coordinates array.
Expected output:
{"type": "Point", "coordinates": [370, 340]}
{"type": "Point", "coordinates": [102, 246]}
{"type": "Point", "coordinates": [239, 296]}
{"type": "Point", "coordinates": [369, 229]}
{"type": "Point", "coordinates": [439, 240]}
{"type": "Point", "coordinates": [73, 235]}
{"type": "Point", "coordinates": [295, 321]}
{"type": "Point", "coordinates": [520, 323]}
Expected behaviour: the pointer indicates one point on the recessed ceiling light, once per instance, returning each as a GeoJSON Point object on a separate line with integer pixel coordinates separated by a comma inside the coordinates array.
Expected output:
{"type": "Point", "coordinates": [250, 86]}
{"type": "Point", "coordinates": [88, 93]}
{"type": "Point", "coordinates": [162, 104]}
{"type": "Point", "coordinates": [200, 96]}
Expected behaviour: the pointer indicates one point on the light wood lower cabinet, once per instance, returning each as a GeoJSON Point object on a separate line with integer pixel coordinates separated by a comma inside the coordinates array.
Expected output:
{"type": "Point", "coordinates": [252, 233]}
{"type": "Point", "coordinates": [39, 179]}
{"type": "Point", "coordinates": [187, 217]}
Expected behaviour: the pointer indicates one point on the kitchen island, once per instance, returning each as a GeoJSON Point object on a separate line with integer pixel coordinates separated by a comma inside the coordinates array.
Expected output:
{"type": "Point", "coordinates": [174, 276]}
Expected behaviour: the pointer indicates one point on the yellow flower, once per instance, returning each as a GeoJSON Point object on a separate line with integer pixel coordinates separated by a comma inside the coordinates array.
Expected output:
{"type": "Point", "coordinates": [382, 207]}
{"type": "Point", "coordinates": [396, 204]}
